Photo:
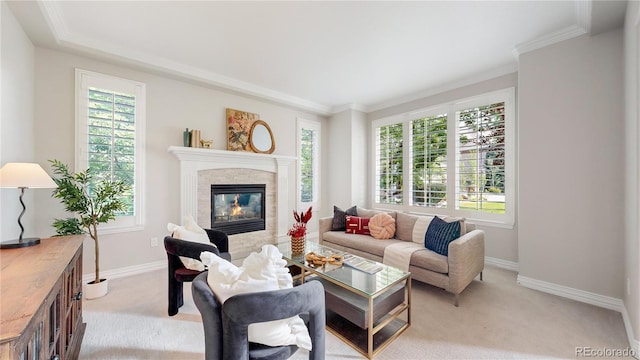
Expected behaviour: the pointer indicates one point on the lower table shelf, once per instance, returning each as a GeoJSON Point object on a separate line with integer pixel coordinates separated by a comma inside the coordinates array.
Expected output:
{"type": "Point", "coordinates": [348, 315]}
{"type": "Point", "coordinates": [358, 337]}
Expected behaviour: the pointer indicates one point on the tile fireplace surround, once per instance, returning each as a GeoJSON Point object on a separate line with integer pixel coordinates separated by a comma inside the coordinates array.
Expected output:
{"type": "Point", "coordinates": [199, 168]}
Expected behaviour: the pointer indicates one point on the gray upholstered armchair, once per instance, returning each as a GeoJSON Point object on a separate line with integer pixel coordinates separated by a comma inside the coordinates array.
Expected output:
{"type": "Point", "coordinates": [226, 326]}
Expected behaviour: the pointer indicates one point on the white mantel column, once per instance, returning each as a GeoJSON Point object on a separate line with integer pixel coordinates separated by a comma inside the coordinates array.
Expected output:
{"type": "Point", "coordinates": [285, 213]}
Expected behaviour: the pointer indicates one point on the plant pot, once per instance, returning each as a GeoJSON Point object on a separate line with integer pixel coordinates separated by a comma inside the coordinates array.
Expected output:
{"type": "Point", "coordinates": [94, 291]}
{"type": "Point", "coordinates": [297, 245]}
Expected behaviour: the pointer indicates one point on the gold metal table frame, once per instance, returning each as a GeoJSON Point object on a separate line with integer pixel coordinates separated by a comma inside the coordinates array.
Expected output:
{"type": "Point", "coordinates": [376, 336]}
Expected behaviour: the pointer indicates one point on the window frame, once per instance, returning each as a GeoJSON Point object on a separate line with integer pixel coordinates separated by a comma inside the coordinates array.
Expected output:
{"type": "Point", "coordinates": [505, 220]}
{"type": "Point", "coordinates": [83, 80]}
{"type": "Point", "coordinates": [317, 128]}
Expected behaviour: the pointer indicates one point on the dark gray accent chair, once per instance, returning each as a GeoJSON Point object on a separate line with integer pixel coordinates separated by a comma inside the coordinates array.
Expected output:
{"type": "Point", "coordinates": [226, 325]}
{"type": "Point", "coordinates": [178, 274]}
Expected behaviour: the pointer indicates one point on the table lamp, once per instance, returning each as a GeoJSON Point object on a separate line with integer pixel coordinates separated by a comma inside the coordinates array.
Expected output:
{"type": "Point", "coordinates": [22, 176]}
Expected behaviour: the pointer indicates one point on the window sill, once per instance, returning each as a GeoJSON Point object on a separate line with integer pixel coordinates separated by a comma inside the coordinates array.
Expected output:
{"type": "Point", "coordinates": [119, 229]}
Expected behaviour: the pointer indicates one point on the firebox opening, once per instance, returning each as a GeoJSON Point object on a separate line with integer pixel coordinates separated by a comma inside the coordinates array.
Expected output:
{"type": "Point", "coordinates": [238, 208]}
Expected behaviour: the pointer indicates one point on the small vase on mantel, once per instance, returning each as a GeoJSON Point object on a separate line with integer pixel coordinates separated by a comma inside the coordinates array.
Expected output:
{"type": "Point", "coordinates": [186, 138]}
{"type": "Point", "coordinates": [297, 245]}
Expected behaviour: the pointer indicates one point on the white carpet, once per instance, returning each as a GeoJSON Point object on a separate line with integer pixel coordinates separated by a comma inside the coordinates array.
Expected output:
{"type": "Point", "coordinates": [497, 319]}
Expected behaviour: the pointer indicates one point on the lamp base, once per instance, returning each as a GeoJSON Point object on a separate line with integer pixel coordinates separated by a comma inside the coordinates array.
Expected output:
{"type": "Point", "coordinates": [19, 243]}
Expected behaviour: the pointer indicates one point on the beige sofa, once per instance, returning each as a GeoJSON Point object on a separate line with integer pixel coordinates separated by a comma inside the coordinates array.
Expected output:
{"type": "Point", "coordinates": [452, 273]}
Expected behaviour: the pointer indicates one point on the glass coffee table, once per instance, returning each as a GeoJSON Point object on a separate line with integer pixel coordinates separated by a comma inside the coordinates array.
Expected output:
{"type": "Point", "coordinates": [365, 300]}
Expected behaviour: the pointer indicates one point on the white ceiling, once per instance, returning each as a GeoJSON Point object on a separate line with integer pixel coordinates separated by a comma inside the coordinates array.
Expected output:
{"type": "Point", "coordinates": [317, 55]}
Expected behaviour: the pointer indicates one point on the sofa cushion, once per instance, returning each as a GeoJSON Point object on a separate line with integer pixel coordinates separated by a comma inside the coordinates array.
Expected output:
{"type": "Point", "coordinates": [357, 225]}
{"type": "Point", "coordinates": [439, 234]}
{"type": "Point", "coordinates": [404, 226]}
{"type": "Point", "coordinates": [382, 226]}
{"type": "Point", "coordinates": [340, 217]}
{"type": "Point", "coordinates": [420, 228]}
{"type": "Point", "coordinates": [361, 242]}
{"type": "Point", "coordinates": [367, 213]}
{"type": "Point", "coordinates": [430, 260]}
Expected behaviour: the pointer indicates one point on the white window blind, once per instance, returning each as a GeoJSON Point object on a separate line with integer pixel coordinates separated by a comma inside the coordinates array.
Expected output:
{"type": "Point", "coordinates": [480, 158]}
{"type": "Point", "coordinates": [459, 159]}
{"type": "Point", "coordinates": [309, 163]}
{"type": "Point", "coordinates": [429, 161]}
{"type": "Point", "coordinates": [110, 119]}
{"type": "Point", "coordinates": [389, 164]}
{"type": "Point", "coordinates": [111, 139]}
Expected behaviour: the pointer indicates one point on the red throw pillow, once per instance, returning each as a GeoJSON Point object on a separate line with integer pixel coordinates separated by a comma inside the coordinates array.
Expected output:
{"type": "Point", "coordinates": [357, 225]}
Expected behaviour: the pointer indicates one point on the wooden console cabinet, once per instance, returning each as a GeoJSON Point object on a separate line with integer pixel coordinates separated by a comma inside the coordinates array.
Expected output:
{"type": "Point", "coordinates": [41, 300]}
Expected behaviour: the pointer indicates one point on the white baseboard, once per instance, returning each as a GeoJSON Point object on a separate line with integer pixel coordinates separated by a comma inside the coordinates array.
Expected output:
{"type": "Point", "coordinates": [633, 343]}
{"type": "Point", "coordinates": [503, 264]}
{"type": "Point", "coordinates": [126, 271]}
{"type": "Point", "coordinates": [573, 294]}
{"type": "Point", "coordinates": [588, 298]}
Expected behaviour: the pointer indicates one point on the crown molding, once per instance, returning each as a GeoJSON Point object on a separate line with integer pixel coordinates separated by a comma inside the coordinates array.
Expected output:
{"type": "Point", "coordinates": [583, 14]}
{"type": "Point", "coordinates": [118, 53]}
{"type": "Point", "coordinates": [582, 26]}
{"type": "Point", "coordinates": [469, 80]}
{"type": "Point", "coordinates": [65, 38]}
{"type": "Point", "coordinates": [52, 15]}
{"type": "Point", "coordinates": [354, 107]}
{"type": "Point", "coordinates": [550, 39]}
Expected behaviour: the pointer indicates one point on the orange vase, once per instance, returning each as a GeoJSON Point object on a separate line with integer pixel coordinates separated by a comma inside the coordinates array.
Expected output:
{"type": "Point", "coordinates": [297, 245]}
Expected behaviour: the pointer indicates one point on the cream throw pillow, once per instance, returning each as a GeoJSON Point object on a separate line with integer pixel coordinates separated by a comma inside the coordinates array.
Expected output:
{"type": "Point", "coordinates": [422, 224]}
{"type": "Point", "coordinates": [420, 228]}
{"type": "Point", "coordinates": [264, 271]}
{"type": "Point", "coordinates": [190, 231]}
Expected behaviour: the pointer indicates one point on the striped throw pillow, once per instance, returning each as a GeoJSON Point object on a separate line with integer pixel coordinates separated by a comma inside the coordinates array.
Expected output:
{"type": "Point", "coordinates": [357, 225]}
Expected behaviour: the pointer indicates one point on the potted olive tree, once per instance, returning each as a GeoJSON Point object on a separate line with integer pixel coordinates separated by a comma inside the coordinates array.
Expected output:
{"type": "Point", "coordinates": [94, 206]}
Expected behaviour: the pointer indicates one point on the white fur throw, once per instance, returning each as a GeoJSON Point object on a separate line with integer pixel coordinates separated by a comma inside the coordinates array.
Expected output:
{"type": "Point", "coordinates": [263, 271]}
{"type": "Point", "coordinates": [190, 231]}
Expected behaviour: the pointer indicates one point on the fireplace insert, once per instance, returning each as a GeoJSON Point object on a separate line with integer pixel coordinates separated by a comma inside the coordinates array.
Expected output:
{"type": "Point", "coordinates": [238, 208]}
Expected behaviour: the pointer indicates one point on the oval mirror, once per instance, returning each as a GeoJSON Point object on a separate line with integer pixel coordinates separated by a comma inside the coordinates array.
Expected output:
{"type": "Point", "coordinates": [261, 138]}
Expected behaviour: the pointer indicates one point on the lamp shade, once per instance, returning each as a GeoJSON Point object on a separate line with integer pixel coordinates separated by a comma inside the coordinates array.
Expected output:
{"type": "Point", "coordinates": [25, 175]}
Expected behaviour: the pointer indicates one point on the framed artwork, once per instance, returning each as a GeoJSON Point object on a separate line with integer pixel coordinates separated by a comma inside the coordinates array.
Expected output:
{"type": "Point", "coordinates": [239, 129]}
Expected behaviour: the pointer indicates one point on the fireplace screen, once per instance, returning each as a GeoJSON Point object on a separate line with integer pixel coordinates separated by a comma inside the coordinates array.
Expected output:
{"type": "Point", "coordinates": [237, 208]}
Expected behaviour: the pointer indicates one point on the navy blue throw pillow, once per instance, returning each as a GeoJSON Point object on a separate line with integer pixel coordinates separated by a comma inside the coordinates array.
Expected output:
{"type": "Point", "coordinates": [439, 234]}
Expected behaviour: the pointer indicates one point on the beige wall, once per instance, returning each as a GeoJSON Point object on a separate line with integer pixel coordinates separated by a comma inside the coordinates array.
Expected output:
{"type": "Point", "coordinates": [360, 158]}
{"type": "Point", "coordinates": [172, 106]}
{"type": "Point", "coordinates": [16, 125]}
{"type": "Point", "coordinates": [571, 164]}
{"type": "Point", "coordinates": [347, 149]}
{"type": "Point", "coordinates": [631, 298]}
{"type": "Point", "coordinates": [337, 173]}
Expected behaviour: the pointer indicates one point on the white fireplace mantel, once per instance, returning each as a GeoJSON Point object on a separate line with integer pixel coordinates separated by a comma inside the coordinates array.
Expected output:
{"type": "Point", "coordinates": [193, 160]}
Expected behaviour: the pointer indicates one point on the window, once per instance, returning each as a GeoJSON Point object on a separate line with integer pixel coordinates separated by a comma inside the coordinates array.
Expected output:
{"type": "Point", "coordinates": [388, 164]}
{"type": "Point", "coordinates": [480, 158]}
{"type": "Point", "coordinates": [462, 151]}
{"type": "Point", "coordinates": [429, 160]}
{"type": "Point", "coordinates": [309, 164]}
{"type": "Point", "coordinates": [109, 137]}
